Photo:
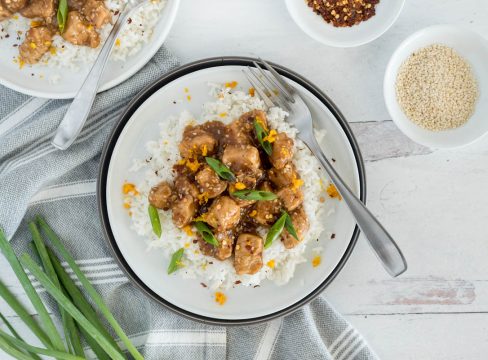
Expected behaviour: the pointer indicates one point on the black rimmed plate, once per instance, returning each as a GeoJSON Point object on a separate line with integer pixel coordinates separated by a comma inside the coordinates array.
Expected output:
{"type": "Point", "coordinates": [147, 270]}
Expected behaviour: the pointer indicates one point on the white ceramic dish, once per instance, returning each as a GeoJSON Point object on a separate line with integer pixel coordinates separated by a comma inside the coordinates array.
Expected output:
{"type": "Point", "coordinates": [148, 269]}
{"type": "Point", "coordinates": [387, 12]}
{"type": "Point", "coordinates": [115, 72]}
{"type": "Point", "coordinates": [470, 45]}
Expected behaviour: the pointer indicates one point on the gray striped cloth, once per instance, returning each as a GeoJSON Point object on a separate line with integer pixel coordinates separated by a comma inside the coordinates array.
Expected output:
{"type": "Point", "coordinates": [35, 178]}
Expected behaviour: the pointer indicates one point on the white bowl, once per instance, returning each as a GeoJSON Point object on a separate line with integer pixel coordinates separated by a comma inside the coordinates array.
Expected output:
{"type": "Point", "coordinates": [470, 45]}
{"type": "Point", "coordinates": [387, 11]}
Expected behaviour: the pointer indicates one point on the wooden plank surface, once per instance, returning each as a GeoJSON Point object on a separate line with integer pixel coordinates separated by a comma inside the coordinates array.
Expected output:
{"type": "Point", "coordinates": [433, 202]}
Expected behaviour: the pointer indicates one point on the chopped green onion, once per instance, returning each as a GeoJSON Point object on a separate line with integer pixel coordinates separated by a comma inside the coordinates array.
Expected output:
{"type": "Point", "coordinates": [223, 171]}
{"type": "Point", "coordinates": [254, 195]}
{"type": "Point", "coordinates": [155, 221]}
{"type": "Point", "coordinates": [55, 342]}
{"type": "Point", "coordinates": [275, 230]}
{"type": "Point", "coordinates": [290, 228]}
{"type": "Point", "coordinates": [62, 14]}
{"type": "Point", "coordinates": [97, 299]}
{"type": "Point", "coordinates": [174, 264]}
{"type": "Point", "coordinates": [62, 300]}
{"type": "Point", "coordinates": [261, 133]}
{"type": "Point", "coordinates": [206, 233]}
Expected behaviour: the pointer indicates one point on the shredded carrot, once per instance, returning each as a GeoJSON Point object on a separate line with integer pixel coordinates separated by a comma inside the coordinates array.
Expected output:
{"type": "Point", "coordinates": [333, 193]}
{"type": "Point", "coordinates": [220, 298]}
{"type": "Point", "coordinates": [316, 261]}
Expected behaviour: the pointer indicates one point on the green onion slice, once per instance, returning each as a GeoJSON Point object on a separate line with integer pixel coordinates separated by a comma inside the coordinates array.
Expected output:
{"type": "Point", "coordinates": [174, 264]}
{"type": "Point", "coordinates": [155, 221]}
{"type": "Point", "coordinates": [62, 14]}
{"type": "Point", "coordinates": [290, 228]}
{"type": "Point", "coordinates": [275, 230]}
{"type": "Point", "coordinates": [261, 133]}
{"type": "Point", "coordinates": [254, 195]}
{"type": "Point", "coordinates": [223, 171]}
{"type": "Point", "coordinates": [206, 233]}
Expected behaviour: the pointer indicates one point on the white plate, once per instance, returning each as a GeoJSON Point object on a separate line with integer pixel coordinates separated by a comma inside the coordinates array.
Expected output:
{"type": "Point", "coordinates": [115, 72]}
{"type": "Point", "coordinates": [387, 11]}
{"type": "Point", "coordinates": [470, 45]}
{"type": "Point", "coordinates": [148, 269]}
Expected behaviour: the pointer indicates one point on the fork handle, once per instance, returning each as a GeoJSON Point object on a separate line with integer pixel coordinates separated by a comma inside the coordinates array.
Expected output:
{"type": "Point", "coordinates": [77, 113]}
{"type": "Point", "coordinates": [382, 243]}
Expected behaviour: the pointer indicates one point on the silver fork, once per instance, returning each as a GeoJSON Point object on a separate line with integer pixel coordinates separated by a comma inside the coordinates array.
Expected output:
{"type": "Point", "coordinates": [74, 119]}
{"type": "Point", "coordinates": [275, 91]}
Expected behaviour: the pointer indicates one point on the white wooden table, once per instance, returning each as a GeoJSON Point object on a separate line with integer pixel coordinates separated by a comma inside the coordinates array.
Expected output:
{"type": "Point", "coordinates": [435, 203]}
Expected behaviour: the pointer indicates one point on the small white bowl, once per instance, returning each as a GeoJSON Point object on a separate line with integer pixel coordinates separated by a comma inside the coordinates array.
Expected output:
{"type": "Point", "coordinates": [387, 11]}
{"type": "Point", "coordinates": [472, 47]}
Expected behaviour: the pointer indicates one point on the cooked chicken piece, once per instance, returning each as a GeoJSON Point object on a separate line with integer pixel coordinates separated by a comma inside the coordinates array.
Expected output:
{"type": "Point", "coordinates": [223, 214]}
{"type": "Point", "coordinates": [283, 177]}
{"type": "Point", "coordinates": [96, 13]}
{"type": "Point", "coordinates": [248, 254]}
{"type": "Point", "coordinates": [4, 12]}
{"type": "Point", "coordinates": [197, 142]}
{"type": "Point", "coordinates": [162, 196]}
{"type": "Point", "coordinates": [185, 187]}
{"type": "Point", "coordinates": [183, 211]}
{"type": "Point", "coordinates": [290, 197]}
{"type": "Point", "coordinates": [75, 4]}
{"type": "Point", "coordinates": [282, 151]}
{"type": "Point", "coordinates": [37, 42]}
{"type": "Point", "coordinates": [300, 223]}
{"type": "Point", "coordinates": [267, 211]}
{"type": "Point", "coordinates": [45, 9]}
{"type": "Point", "coordinates": [242, 159]}
{"type": "Point", "coordinates": [221, 252]}
{"type": "Point", "coordinates": [13, 5]}
{"type": "Point", "coordinates": [241, 131]}
{"type": "Point", "coordinates": [79, 32]}
{"type": "Point", "coordinates": [210, 183]}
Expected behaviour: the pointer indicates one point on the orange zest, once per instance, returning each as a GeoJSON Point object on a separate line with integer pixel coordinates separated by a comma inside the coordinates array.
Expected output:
{"type": "Point", "coordinates": [333, 193]}
{"type": "Point", "coordinates": [220, 298]}
{"type": "Point", "coordinates": [231, 84]}
{"type": "Point", "coordinates": [316, 261]}
{"type": "Point", "coordinates": [129, 188]}
{"type": "Point", "coordinates": [240, 186]}
{"type": "Point", "coordinates": [271, 264]}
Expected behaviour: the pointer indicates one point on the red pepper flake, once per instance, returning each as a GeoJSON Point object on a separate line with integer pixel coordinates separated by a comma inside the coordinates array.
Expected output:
{"type": "Point", "coordinates": [129, 21]}
{"type": "Point", "coordinates": [204, 285]}
{"type": "Point", "coordinates": [255, 286]}
{"type": "Point", "coordinates": [237, 282]}
{"type": "Point", "coordinates": [332, 236]}
{"type": "Point", "coordinates": [344, 13]}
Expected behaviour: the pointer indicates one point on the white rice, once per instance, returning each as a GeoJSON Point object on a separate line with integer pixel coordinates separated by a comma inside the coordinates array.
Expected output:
{"type": "Point", "coordinates": [163, 153]}
{"type": "Point", "coordinates": [134, 34]}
